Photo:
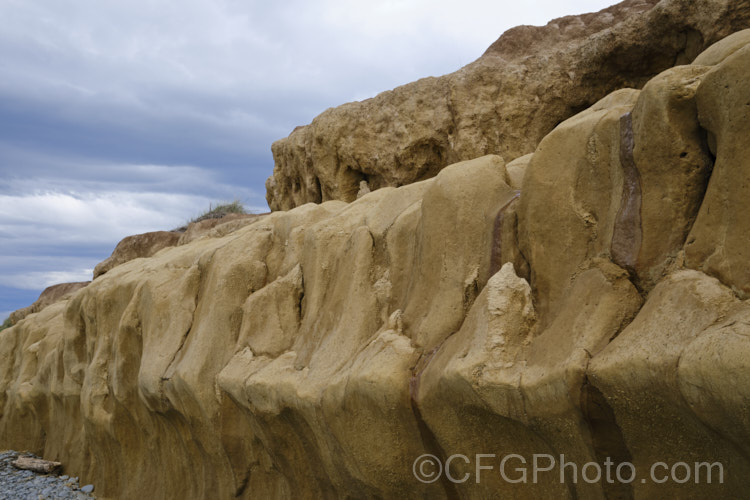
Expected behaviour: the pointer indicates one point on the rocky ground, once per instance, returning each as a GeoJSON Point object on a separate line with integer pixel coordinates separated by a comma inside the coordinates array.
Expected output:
{"type": "Point", "coordinates": [16, 484]}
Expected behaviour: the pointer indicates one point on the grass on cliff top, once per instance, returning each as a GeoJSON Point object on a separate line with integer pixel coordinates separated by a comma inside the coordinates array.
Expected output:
{"type": "Point", "coordinates": [216, 212]}
{"type": "Point", "coordinates": [6, 324]}
{"type": "Point", "coordinates": [220, 210]}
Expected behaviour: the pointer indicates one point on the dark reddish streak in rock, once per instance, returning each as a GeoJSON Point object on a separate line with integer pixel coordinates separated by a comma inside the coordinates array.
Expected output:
{"type": "Point", "coordinates": [627, 235]}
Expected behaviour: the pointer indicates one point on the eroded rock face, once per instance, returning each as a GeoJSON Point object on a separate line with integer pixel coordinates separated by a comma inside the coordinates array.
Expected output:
{"type": "Point", "coordinates": [566, 303]}
{"type": "Point", "coordinates": [50, 295]}
{"type": "Point", "coordinates": [147, 244]}
{"type": "Point", "coordinates": [527, 82]}
{"type": "Point", "coordinates": [718, 242]}
{"type": "Point", "coordinates": [258, 337]}
{"type": "Point", "coordinates": [137, 246]}
{"type": "Point", "coordinates": [216, 226]}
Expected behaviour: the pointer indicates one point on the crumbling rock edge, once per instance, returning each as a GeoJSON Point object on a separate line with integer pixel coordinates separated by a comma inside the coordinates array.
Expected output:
{"type": "Point", "coordinates": [526, 83]}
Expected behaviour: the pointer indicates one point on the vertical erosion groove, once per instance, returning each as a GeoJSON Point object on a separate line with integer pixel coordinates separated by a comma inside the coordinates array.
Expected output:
{"type": "Point", "coordinates": [607, 439]}
{"type": "Point", "coordinates": [496, 257]}
{"type": "Point", "coordinates": [429, 440]}
{"type": "Point", "coordinates": [626, 238]}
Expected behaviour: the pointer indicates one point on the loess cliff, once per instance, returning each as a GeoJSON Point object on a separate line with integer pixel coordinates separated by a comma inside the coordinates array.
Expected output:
{"type": "Point", "coordinates": [586, 300]}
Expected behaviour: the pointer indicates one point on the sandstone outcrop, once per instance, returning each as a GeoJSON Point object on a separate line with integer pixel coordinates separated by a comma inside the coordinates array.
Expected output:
{"type": "Point", "coordinates": [586, 302]}
{"type": "Point", "coordinates": [526, 83]}
{"type": "Point", "coordinates": [147, 244]}
{"type": "Point", "coordinates": [205, 227]}
{"type": "Point", "coordinates": [137, 246]}
{"type": "Point", "coordinates": [50, 295]}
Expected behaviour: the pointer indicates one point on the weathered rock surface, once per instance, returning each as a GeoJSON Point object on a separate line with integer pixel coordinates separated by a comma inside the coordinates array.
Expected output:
{"type": "Point", "coordinates": [599, 314]}
{"type": "Point", "coordinates": [718, 242]}
{"type": "Point", "coordinates": [135, 247]}
{"type": "Point", "coordinates": [527, 82]}
{"type": "Point", "coordinates": [50, 295]}
{"type": "Point", "coordinates": [210, 227]}
{"type": "Point", "coordinates": [147, 244]}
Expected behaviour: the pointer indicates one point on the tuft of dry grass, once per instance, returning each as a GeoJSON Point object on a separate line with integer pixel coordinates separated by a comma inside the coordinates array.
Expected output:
{"type": "Point", "coordinates": [216, 212]}
{"type": "Point", "coordinates": [220, 210]}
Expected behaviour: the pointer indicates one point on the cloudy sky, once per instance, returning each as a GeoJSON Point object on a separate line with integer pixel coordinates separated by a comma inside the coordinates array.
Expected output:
{"type": "Point", "coordinates": [121, 117]}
